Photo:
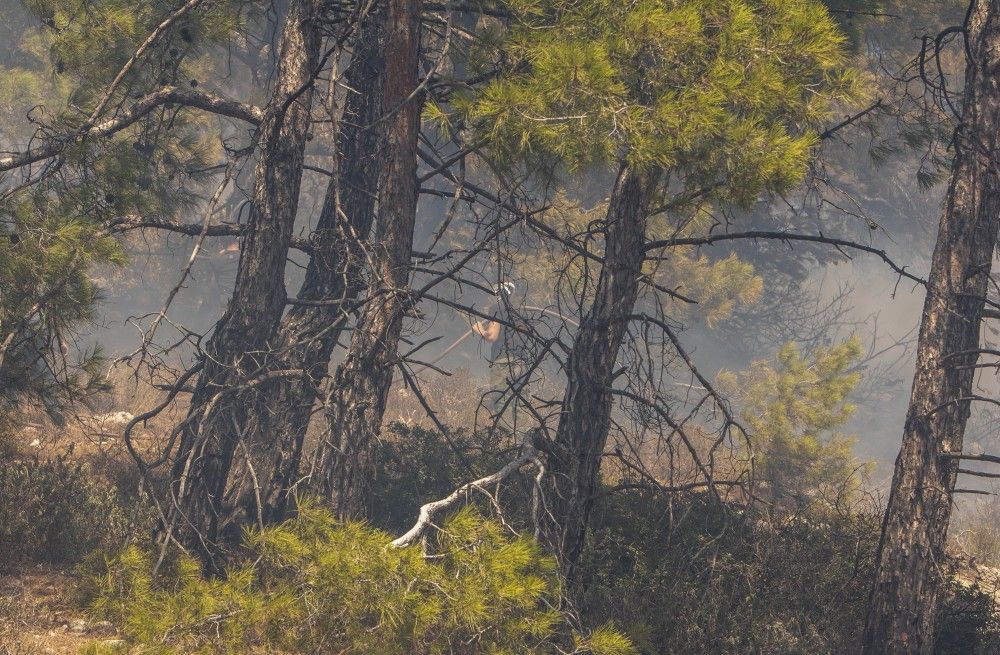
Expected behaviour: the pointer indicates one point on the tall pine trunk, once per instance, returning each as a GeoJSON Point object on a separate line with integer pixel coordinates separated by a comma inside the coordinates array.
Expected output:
{"type": "Point", "coordinates": [239, 344]}
{"type": "Point", "coordinates": [361, 384]}
{"type": "Point", "coordinates": [905, 594]}
{"type": "Point", "coordinates": [310, 330]}
{"type": "Point", "coordinates": [582, 433]}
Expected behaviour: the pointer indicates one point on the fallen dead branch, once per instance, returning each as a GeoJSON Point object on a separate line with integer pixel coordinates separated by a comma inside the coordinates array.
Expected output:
{"type": "Point", "coordinates": [528, 455]}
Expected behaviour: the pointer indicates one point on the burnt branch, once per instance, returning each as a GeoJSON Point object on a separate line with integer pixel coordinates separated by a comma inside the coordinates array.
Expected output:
{"type": "Point", "coordinates": [529, 455]}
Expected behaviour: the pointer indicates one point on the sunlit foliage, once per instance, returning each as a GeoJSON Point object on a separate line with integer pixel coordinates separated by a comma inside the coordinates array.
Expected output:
{"type": "Point", "coordinates": [720, 92]}
{"type": "Point", "coordinates": [315, 585]}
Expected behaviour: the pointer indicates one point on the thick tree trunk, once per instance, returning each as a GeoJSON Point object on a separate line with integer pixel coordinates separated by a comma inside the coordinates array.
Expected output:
{"type": "Point", "coordinates": [586, 415]}
{"type": "Point", "coordinates": [901, 613]}
{"type": "Point", "coordinates": [238, 347]}
{"type": "Point", "coordinates": [309, 332]}
{"type": "Point", "coordinates": [361, 384]}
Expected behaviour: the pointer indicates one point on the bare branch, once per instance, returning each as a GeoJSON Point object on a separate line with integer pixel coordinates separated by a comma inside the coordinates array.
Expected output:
{"type": "Point", "coordinates": [826, 134]}
{"type": "Point", "coordinates": [993, 459]}
{"type": "Point", "coordinates": [142, 107]}
{"type": "Point", "coordinates": [196, 229]}
{"type": "Point", "coordinates": [783, 236]}
{"type": "Point", "coordinates": [979, 474]}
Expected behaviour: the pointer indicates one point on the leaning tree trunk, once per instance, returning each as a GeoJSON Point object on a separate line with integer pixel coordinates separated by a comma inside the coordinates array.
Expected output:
{"type": "Point", "coordinates": [912, 551]}
{"type": "Point", "coordinates": [310, 330]}
{"type": "Point", "coordinates": [575, 460]}
{"type": "Point", "coordinates": [361, 384]}
{"type": "Point", "coordinates": [238, 347]}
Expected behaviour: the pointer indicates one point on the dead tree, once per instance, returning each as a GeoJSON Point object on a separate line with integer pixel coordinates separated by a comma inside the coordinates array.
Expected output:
{"type": "Point", "coordinates": [361, 384]}
{"type": "Point", "coordinates": [905, 594]}
{"type": "Point", "coordinates": [237, 348]}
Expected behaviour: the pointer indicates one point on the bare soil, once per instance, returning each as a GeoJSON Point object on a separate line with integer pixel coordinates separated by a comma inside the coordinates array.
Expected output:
{"type": "Point", "coordinates": [37, 615]}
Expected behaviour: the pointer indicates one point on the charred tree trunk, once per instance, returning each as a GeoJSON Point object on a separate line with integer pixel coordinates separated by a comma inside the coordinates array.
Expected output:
{"type": "Point", "coordinates": [238, 347]}
{"type": "Point", "coordinates": [361, 384]}
{"type": "Point", "coordinates": [310, 330]}
{"type": "Point", "coordinates": [904, 598]}
{"type": "Point", "coordinates": [575, 460]}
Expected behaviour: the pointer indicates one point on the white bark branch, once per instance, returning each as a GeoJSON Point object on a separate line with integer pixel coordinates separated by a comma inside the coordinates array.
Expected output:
{"type": "Point", "coordinates": [529, 455]}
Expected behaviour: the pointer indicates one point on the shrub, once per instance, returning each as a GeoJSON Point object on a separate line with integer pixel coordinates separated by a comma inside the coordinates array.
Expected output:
{"type": "Point", "coordinates": [54, 511]}
{"type": "Point", "coordinates": [315, 585]}
{"type": "Point", "coordinates": [414, 465]}
{"type": "Point", "coordinates": [686, 574]}
{"type": "Point", "coordinates": [967, 622]}
{"type": "Point", "coordinates": [695, 576]}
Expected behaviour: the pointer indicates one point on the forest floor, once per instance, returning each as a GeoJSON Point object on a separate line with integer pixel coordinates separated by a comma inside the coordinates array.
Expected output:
{"type": "Point", "coordinates": [39, 610]}
{"type": "Point", "coordinates": [38, 615]}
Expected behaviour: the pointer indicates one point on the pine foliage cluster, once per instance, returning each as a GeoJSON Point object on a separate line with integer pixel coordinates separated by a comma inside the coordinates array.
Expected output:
{"type": "Point", "coordinates": [316, 585]}
{"type": "Point", "coordinates": [721, 92]}
{"type": "Point", "coordinates": [47, 250]}
{"type": "Point", "coordinates": [88, 43]}
{"type": "Point", "coordinates": [60, 226]}
{"type": "Point", "coordinates": [793, 407]}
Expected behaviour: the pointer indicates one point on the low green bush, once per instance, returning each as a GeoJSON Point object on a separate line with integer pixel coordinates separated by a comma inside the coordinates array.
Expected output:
{"type": "Point", "coordinates": [315, 585]}
{"type": "Point", "coordinates": [682, 574]}
{"type": "Point", "coordinates": [691, 575]}
{"type": "Point", "coordinates": [55, 511]}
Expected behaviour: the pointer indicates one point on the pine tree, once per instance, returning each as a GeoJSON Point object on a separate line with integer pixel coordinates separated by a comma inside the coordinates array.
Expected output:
{"type": "Point", "coordinates": [701, 99]}
{"type": "Point", "coordinates": [792, 407]}
{"type": "Point", "coordinates": [235, 355]}
{"type": "Point", "coordinates": [908, 580]}
{"type": "Point", "coordinates": [61, 221]}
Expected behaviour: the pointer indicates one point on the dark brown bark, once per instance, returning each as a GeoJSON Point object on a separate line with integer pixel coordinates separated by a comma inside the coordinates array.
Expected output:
{"type": "Point", "coordinates": [586, 409]}
{"type": "Point", "coordinates": [237, 349]}
{"type": "Point", "coordinates": [308, 333]}
{"type": "Point", "coordinates": [912, 552]}
{"type": "Point", "coordinates": [361, 384]}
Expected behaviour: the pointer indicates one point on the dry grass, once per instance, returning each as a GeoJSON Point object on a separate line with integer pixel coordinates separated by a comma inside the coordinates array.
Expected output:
{"type": "Point", "coordinates": [37, 618]}
{"type": "Point", "coordinates": [38, 614]}
{"type": "Point", "coordinates": [94, 434]}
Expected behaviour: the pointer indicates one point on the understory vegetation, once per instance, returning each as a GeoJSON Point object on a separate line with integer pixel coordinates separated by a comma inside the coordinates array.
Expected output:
{"type": "Point", "coordinates": [561, 327]}
{"type": "Point", "coordinates": [660, 574]}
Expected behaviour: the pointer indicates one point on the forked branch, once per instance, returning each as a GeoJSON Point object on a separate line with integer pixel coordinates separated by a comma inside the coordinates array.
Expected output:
{"type": "Point", "coordinates": [529, 455]}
